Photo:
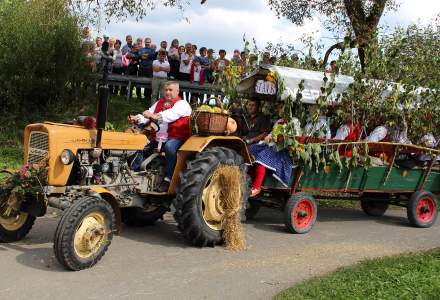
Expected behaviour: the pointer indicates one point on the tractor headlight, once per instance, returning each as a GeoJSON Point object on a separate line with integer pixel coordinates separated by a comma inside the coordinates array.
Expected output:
{"type": "Point", "coordinates": [67, 157]}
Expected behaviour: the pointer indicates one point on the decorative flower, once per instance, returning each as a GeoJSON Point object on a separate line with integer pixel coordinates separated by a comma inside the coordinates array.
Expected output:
{"type": "Point", "coordinates": [23, 171]}
{"type": "Point", "coordinates": [271, 76]}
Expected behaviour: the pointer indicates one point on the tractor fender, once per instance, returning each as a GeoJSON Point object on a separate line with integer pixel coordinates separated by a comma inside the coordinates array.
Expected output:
{"type": "Point", "coordinates": [197, 144]}
{"type": "Point", "coordinates": [111, 199]}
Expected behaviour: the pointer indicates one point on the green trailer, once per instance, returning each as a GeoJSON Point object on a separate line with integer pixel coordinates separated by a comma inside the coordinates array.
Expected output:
{"type": "Point", "coordinates": [413, 186]}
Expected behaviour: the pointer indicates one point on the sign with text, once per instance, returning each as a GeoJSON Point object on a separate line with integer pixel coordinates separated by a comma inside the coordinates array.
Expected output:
{"type": "Point", "coordinates": [265, 87]}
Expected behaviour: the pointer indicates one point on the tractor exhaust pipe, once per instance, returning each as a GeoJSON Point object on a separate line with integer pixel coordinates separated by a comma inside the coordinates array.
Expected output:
{"type": "Point", "coordinates": [101, 110]}
{"type": "Point", "coordinates": [104, 92]}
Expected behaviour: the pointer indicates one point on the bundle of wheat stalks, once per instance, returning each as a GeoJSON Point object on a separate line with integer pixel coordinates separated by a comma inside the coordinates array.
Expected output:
{"type": "Point", "coordinates": [230, 178]}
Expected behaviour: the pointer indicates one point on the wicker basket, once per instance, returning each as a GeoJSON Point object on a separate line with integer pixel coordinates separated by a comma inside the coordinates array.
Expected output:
{"type": "Point", "coordinates": [207, 123]}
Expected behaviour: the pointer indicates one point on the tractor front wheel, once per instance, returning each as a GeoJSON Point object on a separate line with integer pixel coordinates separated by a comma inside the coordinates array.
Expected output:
{"type": "Point", "coordinates": [199, 207]}
{"type": "Point", "coordinates": [84, 233]}
{"type": "Point", "coordinates": [300, 213]}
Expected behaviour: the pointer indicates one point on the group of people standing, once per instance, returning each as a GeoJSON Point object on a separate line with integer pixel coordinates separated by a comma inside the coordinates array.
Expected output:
{"type": "Point", "coordinates": [176, 62]}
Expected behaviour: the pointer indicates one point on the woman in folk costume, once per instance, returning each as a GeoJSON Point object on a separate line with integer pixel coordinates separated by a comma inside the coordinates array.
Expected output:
{"type": "Point", "coordinates": [319, 129]}
{"type": "Point", "coordinates": [348, 132]}
{"type": "Point", "coordinates": [268, 158]}
{"type": "Point", "coordinates": [379, 134]}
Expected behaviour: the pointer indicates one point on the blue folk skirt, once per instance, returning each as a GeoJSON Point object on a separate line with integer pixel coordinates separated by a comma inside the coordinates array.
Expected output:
{"type": "Point", "coordinates": [279, 162]}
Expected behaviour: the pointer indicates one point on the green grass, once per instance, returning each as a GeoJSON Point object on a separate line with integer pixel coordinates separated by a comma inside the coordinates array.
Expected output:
{"type": "Point", "coordinates": [332, 203]}
{"type": "Point", "coordinates": [119, 108]}
{"type": "Point", "coordinates": [11, 157]}
{"type": "Point", "coordinates": [412, 276]}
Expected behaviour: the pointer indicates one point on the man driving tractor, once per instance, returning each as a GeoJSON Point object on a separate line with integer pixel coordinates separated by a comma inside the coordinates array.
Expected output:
{"type": "Point", "coordinates": [172, 114]}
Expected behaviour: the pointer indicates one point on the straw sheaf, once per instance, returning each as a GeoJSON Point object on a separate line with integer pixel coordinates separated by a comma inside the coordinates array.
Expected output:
{"type": "Point", "coordinates": [231, 194]}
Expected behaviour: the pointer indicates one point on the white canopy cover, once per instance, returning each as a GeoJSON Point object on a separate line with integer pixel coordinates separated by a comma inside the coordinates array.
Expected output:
{"type": "Point", "coordinates": [313, 81]}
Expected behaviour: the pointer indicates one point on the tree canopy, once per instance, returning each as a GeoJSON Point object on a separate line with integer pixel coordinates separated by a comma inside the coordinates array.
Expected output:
{"type": "Point", "coordinates": [42, 59]}
{"type": "Point", "coordinates": [121, 9]}
{"type": "Point", "coordinates": [361, 16]}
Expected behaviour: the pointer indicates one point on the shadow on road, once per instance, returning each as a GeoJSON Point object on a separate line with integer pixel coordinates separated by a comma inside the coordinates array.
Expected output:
{"type": "Point", "coordinates": [273, 220]}
{"type": "Point", "coordinates": [163, 233]}
{"type": "Point", "coordinates": [36, 258]}
{"type": "Point", "coordinates": [36, 250]}
{"type": "Point", "coordinates": [347, 214]}
{"type": "Point", "coordinates": [35, 253]}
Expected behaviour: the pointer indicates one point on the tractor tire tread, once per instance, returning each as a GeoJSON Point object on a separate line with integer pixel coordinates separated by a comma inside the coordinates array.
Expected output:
{"type": "Point", "coordinates": [64, 234]}
{"type": "Point", "coordinates": [187, 215]}
{"type": "Point", "coordinates": [411, 209]}
{"type": "Point", "coordinates": [290, 206]}
{"type": "Point", "coordinates": [7, 236]}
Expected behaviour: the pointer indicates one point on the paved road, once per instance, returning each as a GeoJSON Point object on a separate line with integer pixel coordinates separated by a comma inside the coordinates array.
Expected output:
{"type": "Point", "coordinates": [156, 262]}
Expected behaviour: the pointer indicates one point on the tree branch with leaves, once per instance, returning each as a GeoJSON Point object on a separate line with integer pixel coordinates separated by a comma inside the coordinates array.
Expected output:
{"type": "Point", "coordinates": [362, 16]}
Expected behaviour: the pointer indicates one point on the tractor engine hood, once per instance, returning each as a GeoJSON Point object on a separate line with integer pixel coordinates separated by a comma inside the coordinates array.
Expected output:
{"type": "Point", "coordinates": [48, 140]}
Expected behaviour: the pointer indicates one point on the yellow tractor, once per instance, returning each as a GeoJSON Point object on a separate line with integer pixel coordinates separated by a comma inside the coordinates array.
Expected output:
{"type": "Point", "coordinates": [89, 178]}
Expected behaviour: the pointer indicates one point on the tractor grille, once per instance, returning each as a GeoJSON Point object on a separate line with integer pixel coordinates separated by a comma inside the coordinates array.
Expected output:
{"type": "Point", "coordinates": [38, 150]}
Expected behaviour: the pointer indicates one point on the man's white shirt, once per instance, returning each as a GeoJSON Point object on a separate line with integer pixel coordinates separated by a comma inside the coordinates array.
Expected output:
{"type": "Point", "coordinates": [185, 68]}
{"type": "Point", "coordinates": [160, 74]}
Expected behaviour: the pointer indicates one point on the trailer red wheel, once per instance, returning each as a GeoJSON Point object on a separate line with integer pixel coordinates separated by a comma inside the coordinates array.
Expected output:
{"type": "Point", "coordinates": [422, 209]}
{"type": "Point", "coordinates": [300, 213]}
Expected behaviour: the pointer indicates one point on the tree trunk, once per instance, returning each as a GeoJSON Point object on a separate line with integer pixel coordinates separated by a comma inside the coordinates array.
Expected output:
{"type": "Point", "coordinates": [364, 26]}
{"type": "Point", "coordinates": [361, 53]}
{"type": "Point", "coordinates": [341, 46]}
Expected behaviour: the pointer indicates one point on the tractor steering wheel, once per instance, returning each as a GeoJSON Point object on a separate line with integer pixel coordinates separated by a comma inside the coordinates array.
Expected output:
{"type": "Point", "coordinates": [153, 125]}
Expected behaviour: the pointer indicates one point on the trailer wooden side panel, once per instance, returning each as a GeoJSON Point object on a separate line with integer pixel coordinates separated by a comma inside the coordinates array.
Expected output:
{"type": "Point", "coordinates": [374, 179]}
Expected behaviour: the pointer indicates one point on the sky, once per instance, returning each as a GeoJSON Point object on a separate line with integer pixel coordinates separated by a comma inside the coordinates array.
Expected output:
{"type": "Point", "coordinates": [221, 24]}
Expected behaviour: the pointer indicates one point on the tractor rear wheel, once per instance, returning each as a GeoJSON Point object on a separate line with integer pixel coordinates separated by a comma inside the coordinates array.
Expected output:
{"type": "Point", "coordinates": [199, 210]}
{"type": "Point", "coordinates": [15, 227]}
{"type": "Point", "coordinates": [84, 233]}
{"type": "Point", "coordinates": [140, 217]}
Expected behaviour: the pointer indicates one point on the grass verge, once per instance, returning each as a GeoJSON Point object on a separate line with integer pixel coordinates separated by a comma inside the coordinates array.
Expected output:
{"type": "Point", "coordinates": [11, 157]}
{"type": "Point", "coordinates": [411, 276]}
{"type": "Point", "coordinates": [338, 203]}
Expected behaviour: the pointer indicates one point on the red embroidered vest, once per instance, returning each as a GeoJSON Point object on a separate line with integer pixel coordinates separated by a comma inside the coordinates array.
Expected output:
{"type": "Point", "coordinates": [178, 129]}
